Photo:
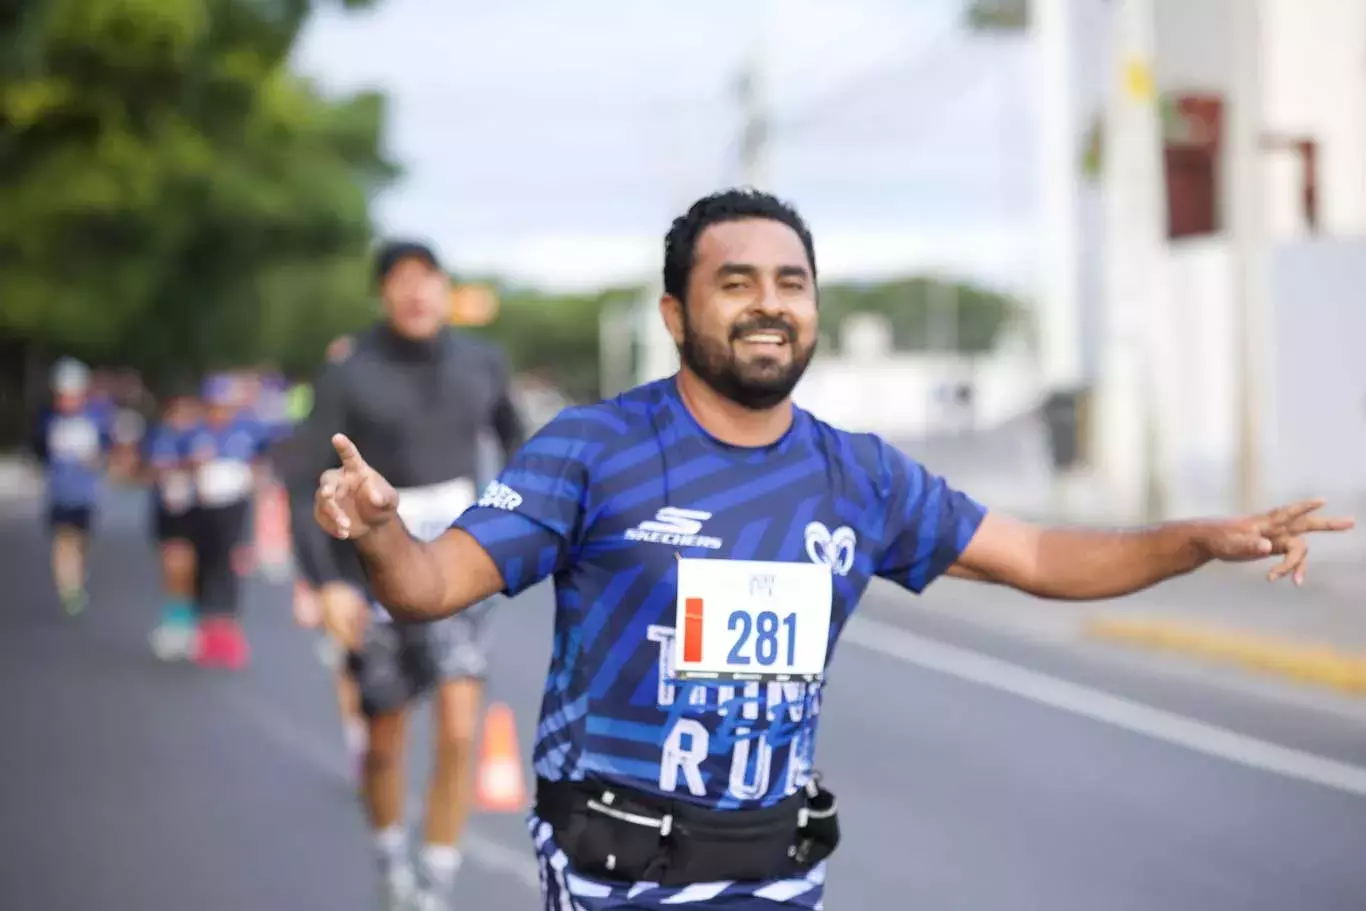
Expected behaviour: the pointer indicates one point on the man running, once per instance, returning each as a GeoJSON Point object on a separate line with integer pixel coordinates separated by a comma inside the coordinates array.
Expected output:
{"type": "Point", "coordinates": [709, 541]}
{"type": "Point", "coordinates": [72, 440]}
{"type": "Point", "coordinates": [417, 395]}
{"type": "Point", "coordinates": [224, 450]}
{"type": "Point", "coordinates": [168, 451]}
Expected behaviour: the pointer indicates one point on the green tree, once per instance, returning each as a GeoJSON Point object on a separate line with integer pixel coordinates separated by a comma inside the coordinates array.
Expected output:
{"type": "Point", "coordinates": [1008, 16]}
{"type": "Point", "coordinates": [555, 335]}
{"type": "Point", "coordinates": [924, 313]}
{"type": "Point", "coordinates": [172, 196]}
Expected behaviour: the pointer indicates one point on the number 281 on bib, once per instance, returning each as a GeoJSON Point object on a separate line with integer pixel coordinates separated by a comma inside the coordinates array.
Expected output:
{"type": "Point", "coordinates": [751, 620]}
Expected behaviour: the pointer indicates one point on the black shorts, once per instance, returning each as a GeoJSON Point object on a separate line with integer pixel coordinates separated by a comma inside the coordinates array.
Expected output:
{"type": "Point", "coordinates": [171, 526]}
{"type": "Point", "coordinates": [69, 517]}
{"type": "Point", "coordinates": [320, 559]}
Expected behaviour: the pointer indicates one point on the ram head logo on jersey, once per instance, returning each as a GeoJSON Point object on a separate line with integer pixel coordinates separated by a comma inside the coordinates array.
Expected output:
{"type": "Point", "coordinates": [834, 549]}
{"type": "Point", "coordinates": [676, 527]}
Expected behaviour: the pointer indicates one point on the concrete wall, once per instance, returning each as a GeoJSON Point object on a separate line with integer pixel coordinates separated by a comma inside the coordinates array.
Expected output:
{"type": "Point", "coordinates": [902, 395]}
{"type": "Point", "coordinates": [1314, 409]}
{"type": "Point", "coordinates": [1316, 432]}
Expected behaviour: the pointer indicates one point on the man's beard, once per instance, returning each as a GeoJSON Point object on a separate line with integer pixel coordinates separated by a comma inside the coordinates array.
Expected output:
{"type": "Point", "coordinates": [757, 385]}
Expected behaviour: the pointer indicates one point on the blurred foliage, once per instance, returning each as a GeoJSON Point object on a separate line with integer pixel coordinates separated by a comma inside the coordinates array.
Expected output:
{"type": "Point", "coordinates": [970, 317]}
{"type": "Point", "coordinates": [172, 197]}
{"type": "Point", "coordinates": [557, 336]}
{"type": "Point", "coordinates": [998, 15]}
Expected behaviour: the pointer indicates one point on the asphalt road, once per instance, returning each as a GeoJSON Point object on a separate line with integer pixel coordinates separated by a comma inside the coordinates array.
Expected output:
{"type": "Point", "coordinates": [974, 770]}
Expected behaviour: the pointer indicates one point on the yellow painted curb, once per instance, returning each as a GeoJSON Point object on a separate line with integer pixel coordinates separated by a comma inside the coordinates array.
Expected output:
{"type": "Point", "coordinates": [1321, 665]}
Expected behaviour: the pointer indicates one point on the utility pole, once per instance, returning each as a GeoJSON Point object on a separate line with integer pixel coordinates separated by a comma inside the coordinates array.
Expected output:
{"type": "Point", "coordinates": [1127, 445]}
{"type": "Point", "coordinates": [750, 93]}
{"type": "Point", "coordinates": [1243, 191]}
{"type": "Point", "coordinates": [1060, 161]}
{"type": "Point", "coordinates": [1058, 303]}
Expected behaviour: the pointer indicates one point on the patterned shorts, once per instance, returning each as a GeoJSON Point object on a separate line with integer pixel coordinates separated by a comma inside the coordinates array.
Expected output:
{"type": "Point", "coordinates": [399, 663]}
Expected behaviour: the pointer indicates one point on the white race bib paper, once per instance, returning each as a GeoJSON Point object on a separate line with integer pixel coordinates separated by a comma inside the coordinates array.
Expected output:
{"type": "Point", "coordinates": [177, 491]}
{"type": "Point", "coordinates": [752, 620]}
{"type": "Point", "coordinates": [428, 511]}
{"type": "Point", "coordinates": [223, 481]}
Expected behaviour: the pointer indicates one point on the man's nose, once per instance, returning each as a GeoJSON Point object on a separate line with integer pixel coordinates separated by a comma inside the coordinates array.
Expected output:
{"type": "Point", "coordinates": [769, 301]}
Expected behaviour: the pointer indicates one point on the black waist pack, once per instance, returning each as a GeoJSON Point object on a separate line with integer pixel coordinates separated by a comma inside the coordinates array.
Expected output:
{"type": "Point", "coordinates": [624, 835]}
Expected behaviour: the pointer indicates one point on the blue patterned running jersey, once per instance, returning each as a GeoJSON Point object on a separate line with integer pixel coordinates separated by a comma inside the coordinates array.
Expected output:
{"type": "Point", "coordinates": [606, 498]}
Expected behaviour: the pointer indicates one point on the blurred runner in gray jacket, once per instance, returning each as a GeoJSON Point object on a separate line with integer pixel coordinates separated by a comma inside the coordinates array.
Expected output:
{"type": "Point", "coordinates": [415, 395]}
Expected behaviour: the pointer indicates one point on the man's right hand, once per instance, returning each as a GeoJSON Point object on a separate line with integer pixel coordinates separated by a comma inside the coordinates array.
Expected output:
{"type": "Point", "coordinates": [353, 500]}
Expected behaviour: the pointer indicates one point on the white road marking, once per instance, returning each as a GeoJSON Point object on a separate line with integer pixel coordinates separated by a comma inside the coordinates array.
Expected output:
{"type": "Point", "coordinates": [1104, 707]}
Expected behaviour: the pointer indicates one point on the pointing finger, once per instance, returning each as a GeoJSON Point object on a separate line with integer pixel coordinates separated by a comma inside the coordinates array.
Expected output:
{"type": "Point", "coordinates": [350, 455]}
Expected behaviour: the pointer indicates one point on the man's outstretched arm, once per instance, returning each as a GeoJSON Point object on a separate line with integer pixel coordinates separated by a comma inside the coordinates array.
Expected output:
{"type": "Point", "coordinates": [1083, 565]}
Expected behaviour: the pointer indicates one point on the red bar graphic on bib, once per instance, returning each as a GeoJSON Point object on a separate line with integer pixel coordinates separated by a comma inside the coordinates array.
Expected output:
{"type": "Point", "coordinates": [692, 630]}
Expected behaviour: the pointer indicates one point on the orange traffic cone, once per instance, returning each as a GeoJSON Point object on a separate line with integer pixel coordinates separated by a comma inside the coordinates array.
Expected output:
{"type": "Point", "coordinates": [500, 786]}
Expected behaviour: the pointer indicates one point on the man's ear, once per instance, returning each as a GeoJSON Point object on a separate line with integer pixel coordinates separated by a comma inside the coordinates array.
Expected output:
{"type": "Point", "coordinates": [671, 309]}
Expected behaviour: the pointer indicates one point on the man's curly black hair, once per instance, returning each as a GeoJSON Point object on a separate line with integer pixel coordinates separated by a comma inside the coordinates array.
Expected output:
{"type": "Point", "coordinates": [680, 244]}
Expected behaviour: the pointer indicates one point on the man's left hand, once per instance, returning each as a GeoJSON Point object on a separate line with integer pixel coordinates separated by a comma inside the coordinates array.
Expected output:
{"type": "Point", "coordinates": [1280, 531]}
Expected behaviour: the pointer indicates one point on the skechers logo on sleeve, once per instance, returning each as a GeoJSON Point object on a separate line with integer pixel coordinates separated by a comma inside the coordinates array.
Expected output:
{"type": "Point", "coordinates": [500, 496]}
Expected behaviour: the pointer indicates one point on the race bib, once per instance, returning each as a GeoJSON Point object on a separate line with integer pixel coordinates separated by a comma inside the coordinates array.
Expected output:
{"type": "Point", "coordinates": [74, 440]}
{"type": "Point", "coordinates": [223, 481]}
{"type": "Point", "coordinates": [428, 511]}
{"type": "Point", "coordinates": [751, 620]}
{"type": "Point", "coordinates": [177, 491]}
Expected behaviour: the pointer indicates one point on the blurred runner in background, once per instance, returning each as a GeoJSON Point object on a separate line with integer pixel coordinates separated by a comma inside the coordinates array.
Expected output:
{"type": "Point", "coordinates": [296, 468]}
{"type": "Point", "coordinates": [172, 500]}
{"type": "Point", "coordinates": [71, 441]}
{"type": "Point", "coordinates": [418, 395]}
{"type": "Point", "coordinates": [129, 423]}
{"type": "Point", "coordinates": [224, 451]}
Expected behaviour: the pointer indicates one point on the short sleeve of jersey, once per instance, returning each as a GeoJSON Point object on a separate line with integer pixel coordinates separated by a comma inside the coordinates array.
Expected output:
{"type": "Point", "coordinates": [530, 519]}
{"type": "Point", "coordinates": [163, 448]}
{"type": "Point", "coordinates": [930, 523]}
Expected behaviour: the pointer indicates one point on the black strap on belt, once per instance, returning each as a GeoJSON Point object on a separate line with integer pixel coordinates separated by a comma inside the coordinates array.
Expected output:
{"type": "Point", "coordinates": [625, 835]}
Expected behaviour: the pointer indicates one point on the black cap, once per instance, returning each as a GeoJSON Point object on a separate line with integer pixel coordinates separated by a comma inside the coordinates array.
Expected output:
{"type": "Point", "coordinates": [393, 252]}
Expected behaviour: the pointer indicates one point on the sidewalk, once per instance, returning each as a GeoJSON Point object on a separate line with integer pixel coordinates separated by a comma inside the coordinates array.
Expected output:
{"type": "Point", "coordinates": [1223, 615]}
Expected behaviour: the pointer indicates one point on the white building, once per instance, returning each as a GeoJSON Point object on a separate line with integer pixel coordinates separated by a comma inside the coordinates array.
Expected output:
{"type": "Point", "coordinates": [1313, 75]}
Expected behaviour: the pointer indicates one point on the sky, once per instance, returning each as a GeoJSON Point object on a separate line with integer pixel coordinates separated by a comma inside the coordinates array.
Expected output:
{"type": "Point", "coordinates": [552, 142]}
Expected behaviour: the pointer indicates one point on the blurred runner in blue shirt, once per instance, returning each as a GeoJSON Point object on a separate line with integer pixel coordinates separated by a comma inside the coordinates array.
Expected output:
{"type": "Point", "coordinates": [224, 451]}
{"type": "Point", "coordinates": [72, 439]}
{"type": "Point", "coordinates": [272, 405]}
{"type": "Point", "coordinates": [167, 454]}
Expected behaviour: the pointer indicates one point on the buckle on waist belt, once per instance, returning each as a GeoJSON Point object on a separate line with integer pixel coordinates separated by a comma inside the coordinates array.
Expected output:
{"type": "Point", "coordinates": [626, 835]}
{"type": "Point", "coordinates": [665, 823]}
